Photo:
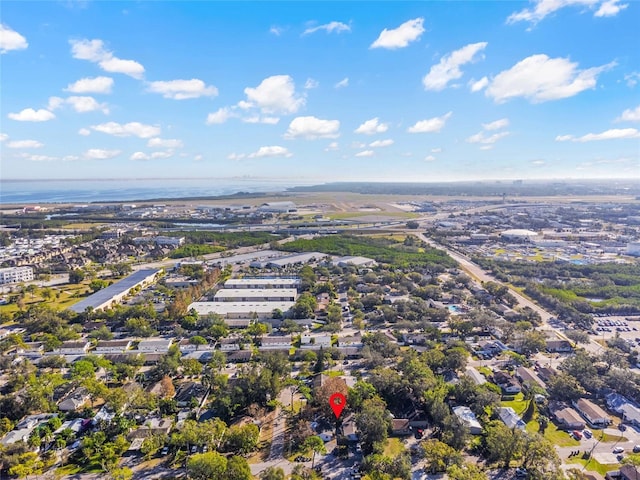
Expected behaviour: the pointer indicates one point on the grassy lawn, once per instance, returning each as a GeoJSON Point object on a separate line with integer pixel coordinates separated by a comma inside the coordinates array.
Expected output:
{"type": "Point", "coordinates": [66, 299]}
{"type": "Point", "coordinates": [593, 465]}
{"type": "Point", "coordinates": [333, 373]}
{"type": "Point", "coordinates": [606, 438]}
{"type": "Point", "coordinates": [518, 404]}
{"type": "Point", "coordinates": [394, 447]}
{"type": "Point", "coordinates": [486, 371]}
{"type": "Point", "coordinates": [68, 470]}
{"type": "Point", "coordinates": [83, 226]}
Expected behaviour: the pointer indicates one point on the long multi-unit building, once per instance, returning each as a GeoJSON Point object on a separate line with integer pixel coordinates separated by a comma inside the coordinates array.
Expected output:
{"type": "Point", "coordinates": [15, 275]}
{"type": "Point", "coordinates": [256, 295]}
{"type": "Point", "coordinates": [113, 294]}
{"type": "Point", "coordinates": [262, 282]}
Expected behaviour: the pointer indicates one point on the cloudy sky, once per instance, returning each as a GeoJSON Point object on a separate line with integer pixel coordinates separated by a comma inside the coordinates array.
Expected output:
{"type": "Point", "coordinates": [321, 91]}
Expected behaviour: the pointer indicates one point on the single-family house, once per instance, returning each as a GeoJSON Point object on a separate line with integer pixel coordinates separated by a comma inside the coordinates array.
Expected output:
{"type": "Point", "coordinates": [507, 383]}
{"type": "Point", "coordinates": [153, 426]}
{"type": "Point", "coordinates": [400, 427]}
{"type": "Point", "coordinates": [349, 429]}
{"type": "Point", "coordinates": [75, 400]}
{"type": "Point", "coordinates": [510, 418]}
{"type": "Point", "coordinates": [189, 393]}
{"type": "Point", "coordinates": [559, 346]}
{"type": "Point", "coordinates": [475, 375]}
{"type": "Point", "coordinates": [622, 406]}
{"type": "Point", "coordinates": [529, 378]}
{"type": "Point", "coordinates": [467, 417]}
{"type": "Point", "coordinates": [566, 417]}
{"type": "Point", "coordinates": [592, 413]}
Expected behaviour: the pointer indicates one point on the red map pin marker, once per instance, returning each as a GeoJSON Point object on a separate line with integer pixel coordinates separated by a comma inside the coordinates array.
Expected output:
{"type": "Point", "coordinates": [337, 403]}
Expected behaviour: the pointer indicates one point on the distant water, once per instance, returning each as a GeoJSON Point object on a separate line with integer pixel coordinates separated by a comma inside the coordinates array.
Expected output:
{"type": "Point", "coordinates": [81, 191]}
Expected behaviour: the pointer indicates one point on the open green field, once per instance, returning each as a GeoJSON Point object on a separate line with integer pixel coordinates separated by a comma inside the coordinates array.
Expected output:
{"type": "Point", "coordinates": [593, 465]}
{"type": "Point", "coordinates": [63, 297]}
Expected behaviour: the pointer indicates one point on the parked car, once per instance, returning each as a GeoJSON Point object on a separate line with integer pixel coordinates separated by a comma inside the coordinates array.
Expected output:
{"type": "Point", "coordinates": [636, 449]}
{"type": "Point", "coordinates": [587, 433]}
{"type": "Point", "coordinates": [577, 435]}
{"type": "Point", "coordinates": [164, 451]}
{"type": "Point", "coordinates": [618, 450]}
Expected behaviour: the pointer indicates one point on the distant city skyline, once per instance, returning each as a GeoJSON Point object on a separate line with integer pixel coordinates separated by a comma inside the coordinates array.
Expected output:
{"type": "Point", "coordinates": [314, 92]}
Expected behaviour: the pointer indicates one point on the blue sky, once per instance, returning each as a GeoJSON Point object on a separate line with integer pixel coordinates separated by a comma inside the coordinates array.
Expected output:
{"type": "Point", "coordinates": [322, 91]}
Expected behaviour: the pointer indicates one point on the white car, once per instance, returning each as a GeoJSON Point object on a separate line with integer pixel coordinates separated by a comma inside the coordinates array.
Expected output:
{"type": "Point", "coordinates": [618, 450]}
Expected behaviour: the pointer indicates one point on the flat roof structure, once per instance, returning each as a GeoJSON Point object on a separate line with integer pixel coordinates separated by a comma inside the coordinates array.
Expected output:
{"type": "Point", "coordinates": [240, 309]}
{"type": "Point", "coordinates": [294, 259]}
{"type": "Point", "coordinates": [253, 294]}
{"type": "Point", "coordinates": [114, 293]}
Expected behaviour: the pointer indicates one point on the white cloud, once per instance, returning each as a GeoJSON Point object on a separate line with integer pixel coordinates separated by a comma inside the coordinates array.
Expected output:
{"type": "Point", "coordinates": [486, 147]}
{"type": "Point", "coordinates": [135, 129]}
{"type": "Point", "coordinates": [333, 146]}
{"type": "Point", "coordinates": [430, 125]}
{"type": "Point", "coordinates": [479, 85]}
{"type": "Point", "coordinates": [436, 150]}
{"type": "Point", "coordinates": [400, 37]}
{"type": "Point", "coordinates": [330, 27]}
{"type": "Point", "coordinates": [100, 154]}
{"type": "Point", "coordinates": [153, 156]}
{"type": "Point", "coordinates": [480, 138]}
{"type": "Point", "coordinates": [381, 143]}
{"type": "Point", "coordinates": [40, 158]}
{"type": "Point", "coordinates": [11, 40]}
{"type": "Point", "coordinates": [219, 116]}
{"type": "Point", "coordinates": [311, 83]}
{"type": "Point", "coordinates": [84, 132]}
{"type": "Point", "coordinates": [497, 125]}
{"type": "Point", "coordinates": [198, 158]}
{"type": "Point", "coordinates": [540, 79]}
{"type": "Point", "coordinates": [31, 115]}
{"type": "Point", "coordinates": [25, 144]}
{"type": "Point", "coordinates": [139, 156]}
{"type": "Point", "coordinates": [275, 30]}
{"type": "Point", "coordinates": [3, 137]}
{"type": "Point", "coordinates": [275, 94]}
{"type": "Point", "coordinates": [55, 103]}
{"type": "Point", "coordinates": [613, 134]}
{"type": "Point", "coordinates": [448, 68]}
{"type": "Point", "coordinates": [342, 83]}
{"type": "Point", "coordinates": [259, 119]}
{"type": "Point", "coordinates": [94, 51]}
{"type": "Point", "coordinates": [236, 156]}
{"type": "Point", "coordinates": [371, 127]}
{"type": "Point", "coordinates": [365, 153]}
{"type": "Point", "coordinates": [632, 79]}
{"type": "Point", "coordinates": [537, 163]}
{"type": "Point", "coordinates": [91, 85]}
{"type": "Point", "coordinates": [429, 158]}
{"type": "Point", "coordinates": [164, 143]}
{"type": "Point", "coordinates": [312, 128]}
{"type": "Point", "coordinates": [244, 105]}
{"type": "Point", "coordinates": [610, 8]}
{"type": "Point", "coordinates": [630, 115]}
{"type": "Point", "coordinates": [358, 145]}
{"type": "Point", "coordinates": [183, 89]}
{"type": "Point", "coordinates": [542, 8]}
{"type": "Point", "coordinates": [86, 104]}
{"type": "Point", "coordinates": [271, 151]}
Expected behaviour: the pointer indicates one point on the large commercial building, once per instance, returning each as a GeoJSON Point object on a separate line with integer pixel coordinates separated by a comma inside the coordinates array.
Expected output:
{"type": "Point", "coordinates": [241, 310]}
{"type": "Point", "coordinates": [113, 294]}
{"type": "Point", "coordinates": [256, 295]}
{"type": "Point", "coordinates": [15, 275]}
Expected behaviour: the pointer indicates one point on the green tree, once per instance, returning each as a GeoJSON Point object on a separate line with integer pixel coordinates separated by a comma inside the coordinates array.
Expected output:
{"type": "Point", "coordinates": [242, 439]}
{"type": "Point", "coordinates": [439, 456]}
{"type": "Point", "coordinates": [466, 471]}
{"type": "Point", "coordinates": [123, 473]}
{"type": "Point", "coordinates": [206, 466]}
{"type": "Point", "coordinates": [373, 422]}
{"type": "Point", "coordinates": [502, 443]}
{"type": "Point", "coordinates": [238, 469]}
{"type": "Point", "coordinates": [315, 444]}
{"type": "Point", "coordinates": [76, 276]}
{"type": "Point", "coordinates": [272, 473]}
